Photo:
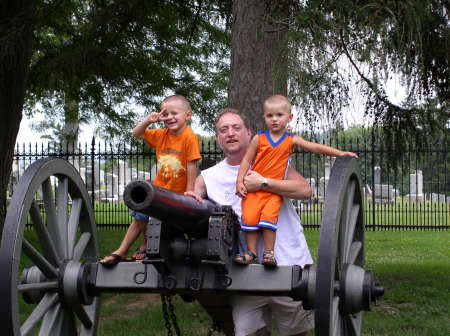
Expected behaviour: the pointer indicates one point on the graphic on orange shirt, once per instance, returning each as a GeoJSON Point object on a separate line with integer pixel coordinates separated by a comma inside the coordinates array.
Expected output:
{"type": "Point", "coordinates": [170, 166]}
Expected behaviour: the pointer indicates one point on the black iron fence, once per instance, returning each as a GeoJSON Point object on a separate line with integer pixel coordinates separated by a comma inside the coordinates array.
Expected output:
{"type": "Point", "coordinates": [410, 192]}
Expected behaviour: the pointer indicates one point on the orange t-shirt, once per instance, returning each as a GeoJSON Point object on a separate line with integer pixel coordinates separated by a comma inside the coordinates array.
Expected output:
{"type": "Point", "coordinates": [173, 152]}
{"type": "Point", "coordinates": [272, 157]}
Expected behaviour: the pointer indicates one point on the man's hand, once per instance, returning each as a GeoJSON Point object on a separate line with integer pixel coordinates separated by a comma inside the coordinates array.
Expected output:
{"type": "Point", "coordinates": [192, 194]}
{"type": "Point", "coordinates": [349, 154]}
{"type": "Point", "coordinates": [241, 190]}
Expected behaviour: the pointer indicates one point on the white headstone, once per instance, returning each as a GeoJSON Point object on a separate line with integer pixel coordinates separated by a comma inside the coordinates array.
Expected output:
{"type": "Point", "coordinates": [323, 182]}
{"type": "Point", "coordinates": [416, 187]}
{"type": "Point", "coordinates": [440, 198]}
{"type": "Point", "coordinates": [384, 193]}
{"type": "Point", "coordinates": [416, 183]}
{"type": "Point", "coordinates": [111, 185]}
{"type": "Point", "coordinates": [124, 173]}
{"type": "Point", "coordinates": [377, 175]}
{"type": "Point", "coordinates": [312, 183]}
{"type": "Point", "coordinates": [327, 169]}
{"type": "Point", "coordinates": [368, 191]}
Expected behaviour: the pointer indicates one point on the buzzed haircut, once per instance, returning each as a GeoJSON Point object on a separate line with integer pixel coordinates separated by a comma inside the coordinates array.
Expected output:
{"type": "Point", "coordinates": [279, 100]}
{"type": "Point", "coordinates": [231, 110]}
{"type": "Point", "coordinates": [182, 99]}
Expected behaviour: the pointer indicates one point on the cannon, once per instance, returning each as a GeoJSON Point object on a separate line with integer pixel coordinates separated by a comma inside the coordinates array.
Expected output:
{"type": "Point", "coordinates": [51, 284]}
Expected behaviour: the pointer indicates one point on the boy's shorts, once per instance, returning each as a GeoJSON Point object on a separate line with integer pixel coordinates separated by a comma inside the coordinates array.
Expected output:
{"type": "Point", "coordinates": [251, 313]}
{"type": "Point", "coordinates": [260, 210]}
{"type": "Point", "coordinates": [139, 216]}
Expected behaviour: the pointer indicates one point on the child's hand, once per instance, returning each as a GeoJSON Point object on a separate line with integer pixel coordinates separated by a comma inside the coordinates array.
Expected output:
{"type": "Point", "coordinates": [154, 117]}
{"type": "Point", "coordinates": [349, 154]}
{"type": "Point", "coordinates": [192, 194]}
{"type": "Point", "coordinates": [163, 115]}
{"type": "Point", "coordinates": [241, 190]}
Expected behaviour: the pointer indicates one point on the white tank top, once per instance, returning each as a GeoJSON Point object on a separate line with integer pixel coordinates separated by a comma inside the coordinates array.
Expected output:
{"type": "Point", "coordinates": [290, 244]}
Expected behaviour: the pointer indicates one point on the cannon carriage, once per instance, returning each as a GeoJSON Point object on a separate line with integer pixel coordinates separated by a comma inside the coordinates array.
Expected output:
{"type": "Point", "coordinates": [52, 285]}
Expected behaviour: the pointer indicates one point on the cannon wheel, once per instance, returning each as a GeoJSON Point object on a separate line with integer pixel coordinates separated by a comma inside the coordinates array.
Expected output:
{"type": "Point", "coordinates": [35, 285]}
{"type": "Point", "coordinates": [341, 244]}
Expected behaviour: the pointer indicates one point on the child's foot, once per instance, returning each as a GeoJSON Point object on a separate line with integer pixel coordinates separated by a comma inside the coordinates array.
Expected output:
{"type": "Point", "coordinates": [269, 259]}
{"type": "Point", "coordinates": [246, 259]}
{"type": "Point", "coordinates": [113, 259]}
{"type": "Point", "coordinates": [139, 255]}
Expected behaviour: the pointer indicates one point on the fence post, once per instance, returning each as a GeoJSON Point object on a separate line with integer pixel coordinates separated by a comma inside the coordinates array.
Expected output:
{"type": "Point", "coordinates": [92, 171]}
{"type": "Point", "coordinates": [373, 178]}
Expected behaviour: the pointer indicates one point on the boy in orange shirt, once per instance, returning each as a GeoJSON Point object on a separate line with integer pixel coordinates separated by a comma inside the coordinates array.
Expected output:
{"type": "Point", "coordinates": [177, 151]}
{"type": "Point", "coordinates": [268, 155]}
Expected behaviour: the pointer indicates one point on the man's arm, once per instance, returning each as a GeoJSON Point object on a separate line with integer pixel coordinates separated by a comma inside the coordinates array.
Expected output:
{"type": "Point", "coordinates": [295, 186]}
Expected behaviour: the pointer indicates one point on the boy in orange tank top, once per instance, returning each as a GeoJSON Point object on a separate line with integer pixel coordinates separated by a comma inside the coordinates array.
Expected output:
{"type": "Point", "coordinates": [177, 151]}
{"type": "Point", "coordinates": [268, 155]}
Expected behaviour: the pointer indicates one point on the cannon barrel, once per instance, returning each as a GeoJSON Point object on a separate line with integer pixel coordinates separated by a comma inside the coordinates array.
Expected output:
{"type": "Point", "coordinates": [181, 213]}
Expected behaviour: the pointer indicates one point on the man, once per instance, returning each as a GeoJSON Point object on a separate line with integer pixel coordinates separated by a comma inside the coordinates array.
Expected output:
{"type": "Point", "coordinates": [219, 184]}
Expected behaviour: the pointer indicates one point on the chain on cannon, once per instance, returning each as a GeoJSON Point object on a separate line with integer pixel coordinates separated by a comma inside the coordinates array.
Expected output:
{"type": "Point", "coordinates": [50, 283]}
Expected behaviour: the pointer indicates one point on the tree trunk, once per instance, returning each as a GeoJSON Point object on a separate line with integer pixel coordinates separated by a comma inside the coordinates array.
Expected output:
{"type": "Point", "coordinates": [257, 67]}
{"type": "Point", "coordinates": [69, 136]}
{"type": "Point", "coordinates": [16, 34]}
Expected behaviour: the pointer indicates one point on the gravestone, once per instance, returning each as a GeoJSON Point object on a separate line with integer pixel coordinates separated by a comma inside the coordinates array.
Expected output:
{"type": "Point", "coordinates": [377, 175]}
{"type": "Point", "coordinates": [154, 171]}
{"type": "Point", "coordinates": [323, 181]}
{"type": "Point", "coordinates": [368, 191]}
{"type": "Point", "coordinates": [415, 187]}
{"type": "Point", "coordinates": [382, 193]}
{"type": "Point", "coordinates": [312, 183]}
{"type": "Point", "coordinates": [442, 198]}
{"type": "Point", "coordinates": [13, 178]}
{"type": "Point", "coordinates": [124, 173]}
{"type": "Point", "coordinates": [322, 189]}
{"type": "Point", "coordinates": [112, 186]}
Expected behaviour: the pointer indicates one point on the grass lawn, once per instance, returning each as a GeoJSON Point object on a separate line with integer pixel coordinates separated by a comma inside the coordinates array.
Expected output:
{"type": "Point", "coordinates": [413, 266]}
{"type": "Point", "coordinates": [395, 216]}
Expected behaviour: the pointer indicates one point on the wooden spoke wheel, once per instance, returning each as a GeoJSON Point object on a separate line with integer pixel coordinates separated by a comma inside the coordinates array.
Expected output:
{"type": "Point", "coordinates": [342, 287]}
{"type": "Point", "coordinates": [40, 269]}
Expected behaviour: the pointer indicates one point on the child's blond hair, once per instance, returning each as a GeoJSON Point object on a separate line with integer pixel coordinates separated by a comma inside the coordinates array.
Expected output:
{"type": "Point", "coordinates": [180, 98]}
{"type": "Point", "coordinates": [278, 100]}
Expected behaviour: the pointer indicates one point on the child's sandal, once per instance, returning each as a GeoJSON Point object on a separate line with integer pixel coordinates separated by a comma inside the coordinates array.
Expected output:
{"type": "Point", "coordinates": [243, 259]}
{"type": "Point", "coordinates": [269, 259]}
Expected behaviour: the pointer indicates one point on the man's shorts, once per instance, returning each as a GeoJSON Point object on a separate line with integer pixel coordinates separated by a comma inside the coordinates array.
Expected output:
{"type": "Point", "coordinates": [251, 313]}
{"type": "Point", "coordinates": [139, 216]}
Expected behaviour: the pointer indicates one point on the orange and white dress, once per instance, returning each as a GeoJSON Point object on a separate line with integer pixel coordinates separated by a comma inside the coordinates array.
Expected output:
{"type": "Point", "coordinates": [260, 209]}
